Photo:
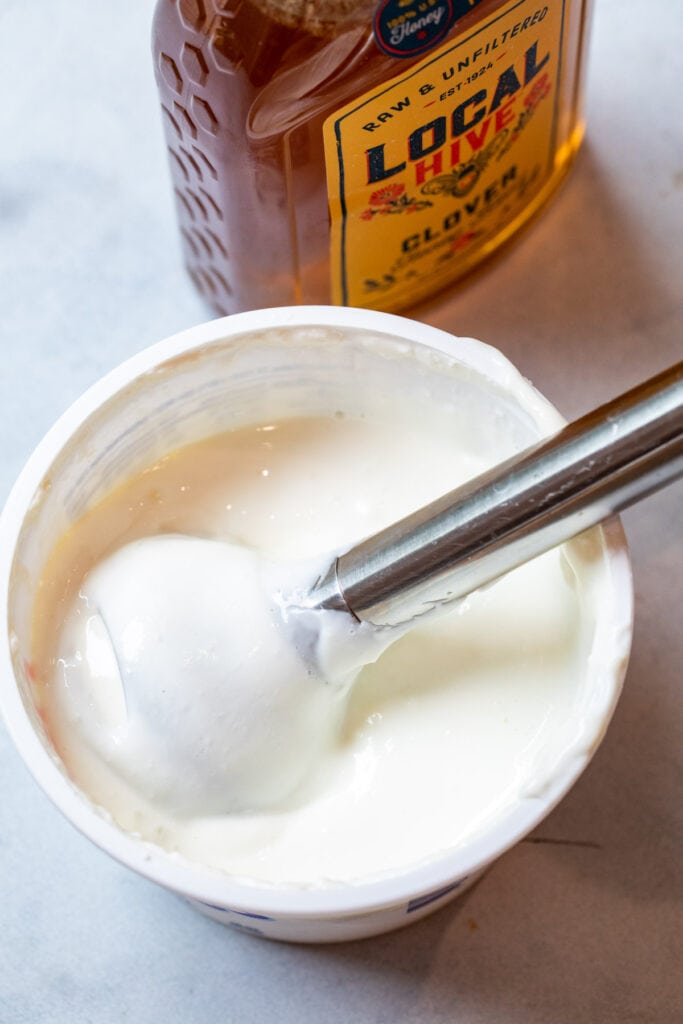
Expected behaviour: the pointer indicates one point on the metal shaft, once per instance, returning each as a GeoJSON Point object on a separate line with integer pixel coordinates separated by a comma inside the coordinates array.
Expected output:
{"type": "Point", "coordinates": [550, 492]}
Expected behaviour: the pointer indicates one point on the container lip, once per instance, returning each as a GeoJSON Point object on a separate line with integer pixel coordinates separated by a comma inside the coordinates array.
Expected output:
{"type": "Point", "coordinates": [194, 881]}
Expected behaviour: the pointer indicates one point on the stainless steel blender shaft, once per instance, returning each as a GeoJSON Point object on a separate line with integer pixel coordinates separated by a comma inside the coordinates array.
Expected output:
{"type": "Point", "coordinates": [541, 497]}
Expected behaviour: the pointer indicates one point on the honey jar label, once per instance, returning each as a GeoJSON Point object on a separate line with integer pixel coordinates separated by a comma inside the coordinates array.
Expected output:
{"type": "Point", "coordinates": [423, 170]}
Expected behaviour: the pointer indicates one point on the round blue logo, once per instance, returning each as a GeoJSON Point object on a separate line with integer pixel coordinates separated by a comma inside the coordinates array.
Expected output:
{"type": "Point", "coordinates": [405, 29]}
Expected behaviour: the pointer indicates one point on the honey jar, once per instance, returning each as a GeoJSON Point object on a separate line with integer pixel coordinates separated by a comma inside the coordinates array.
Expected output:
{"type": "Point", "coordinates": [361, 152]}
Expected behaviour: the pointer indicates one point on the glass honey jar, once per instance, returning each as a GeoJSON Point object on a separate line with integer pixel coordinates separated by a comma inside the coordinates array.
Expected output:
{"type": "Point", "coordinates": [360, 152]}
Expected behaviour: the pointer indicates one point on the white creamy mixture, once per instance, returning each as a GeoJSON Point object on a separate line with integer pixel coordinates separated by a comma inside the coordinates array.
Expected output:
{"type": "Point", "coordinates": [199, 677]}
{"type": "Point", "coordinates": [442, 734]}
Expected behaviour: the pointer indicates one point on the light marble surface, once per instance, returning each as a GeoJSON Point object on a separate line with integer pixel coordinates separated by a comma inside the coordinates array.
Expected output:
{"type": "Point", "coordinates": [584, 921]}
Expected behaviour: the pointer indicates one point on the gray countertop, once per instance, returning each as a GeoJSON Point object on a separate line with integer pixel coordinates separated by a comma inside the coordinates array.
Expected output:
{"type": "Point", "coordinates": [582, 922]}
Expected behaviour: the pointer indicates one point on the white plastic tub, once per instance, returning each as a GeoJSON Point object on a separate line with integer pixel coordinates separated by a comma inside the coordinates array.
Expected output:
{"type": "Point", "coordinates": [228, 373]}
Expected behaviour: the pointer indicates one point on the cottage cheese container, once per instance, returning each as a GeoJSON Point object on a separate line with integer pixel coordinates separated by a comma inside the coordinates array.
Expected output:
{"type": "Point", "coordinates": [454, 745]}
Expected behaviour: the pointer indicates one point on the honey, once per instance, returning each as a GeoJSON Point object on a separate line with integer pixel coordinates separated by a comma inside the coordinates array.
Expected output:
{"type": "Point", "coordinates": [361, 153]}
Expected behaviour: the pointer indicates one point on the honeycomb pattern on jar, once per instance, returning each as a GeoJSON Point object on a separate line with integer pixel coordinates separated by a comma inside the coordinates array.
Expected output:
{"type": "Point", "coordinates": [190, 123]}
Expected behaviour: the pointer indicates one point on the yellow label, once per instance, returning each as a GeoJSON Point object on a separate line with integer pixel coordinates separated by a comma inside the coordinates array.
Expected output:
{"type": "Point", "coordinates": [427, 167]}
